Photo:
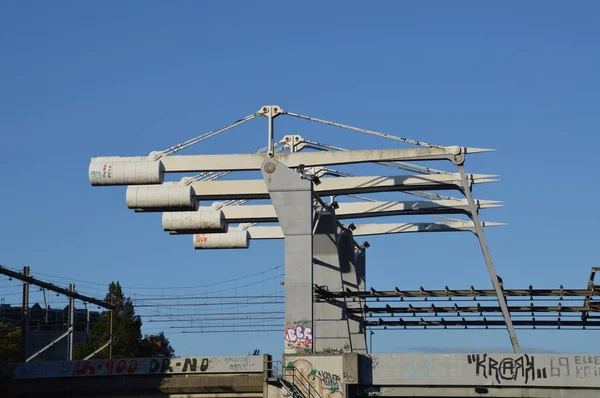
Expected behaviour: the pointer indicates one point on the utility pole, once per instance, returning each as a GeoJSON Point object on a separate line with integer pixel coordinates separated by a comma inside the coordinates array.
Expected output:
{"type": "Point", "coordinates": [71, 326]}
{"type": "Point", "coordinates": [25, 311]}
{"type": "Point", "coordinates": [87, 319]}
{"type": "Point", "coordinates": [110, 330]}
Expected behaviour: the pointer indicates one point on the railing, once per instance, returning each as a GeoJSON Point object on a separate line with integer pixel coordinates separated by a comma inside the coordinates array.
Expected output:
{"type": "Point", "coordinates": [293, 380]}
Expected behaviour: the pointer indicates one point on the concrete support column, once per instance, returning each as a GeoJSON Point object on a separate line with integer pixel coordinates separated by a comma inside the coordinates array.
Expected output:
{"type": "Point", "coordinates": [292, 198]}
{"type": "Point", "coordinates": [332, 258]}
{"type": "Point", "coordinates": [355, 280]}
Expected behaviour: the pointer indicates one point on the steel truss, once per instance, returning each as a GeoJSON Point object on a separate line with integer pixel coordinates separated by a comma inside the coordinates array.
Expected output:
{"type": "Point", "coordinates": [448, 308]}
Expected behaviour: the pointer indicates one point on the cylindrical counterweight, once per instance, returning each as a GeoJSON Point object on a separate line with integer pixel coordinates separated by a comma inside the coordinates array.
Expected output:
{"type": "Point", "coordinates": [166, 197]}
{"type": "Point", "coordinates": [229, 240]}
{"type": "Point", "coordinates": [125, 171]}
{"type": "Point", "coordinates": [204, 220]}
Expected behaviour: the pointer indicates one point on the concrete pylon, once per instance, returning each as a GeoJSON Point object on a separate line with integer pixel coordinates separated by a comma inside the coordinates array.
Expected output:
{"type": "Point", "coordinates": [337, 267]}
{"type": "Point", "coordinates": [317, 252]}
{"type": "Point", "coordinates": [331, 259]}
{"type": "Point", "coordinates": [355, 280]}
{"type": "Point", "coordinates": [292, 198]}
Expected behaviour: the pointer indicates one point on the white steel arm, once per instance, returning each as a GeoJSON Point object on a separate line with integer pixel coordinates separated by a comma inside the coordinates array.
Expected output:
{"type": "Point", "coordinates": [256, 189]}
{"type": "Point", "coordinates": [140, 171]}
{"type": "Point", "coordinates": [238, 162]}
{"type": "Point", "coordinates": [266, 213]}
{"type": "Point", "coordinates": [381, 229]}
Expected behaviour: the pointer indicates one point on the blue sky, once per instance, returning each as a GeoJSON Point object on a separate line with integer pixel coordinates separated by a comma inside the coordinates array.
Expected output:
{"type": "Point", "coordinates": [82, 79]}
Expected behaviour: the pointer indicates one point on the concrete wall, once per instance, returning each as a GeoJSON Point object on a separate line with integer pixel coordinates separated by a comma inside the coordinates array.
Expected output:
{"type": "Point", "coordinates": [139, 366]}
{"type": "Point", "coordinates": [482, 370]}
{"type": "Point", "coordinates": [217, 377]}
{"type": "Point", "coordinates": [327, 374]}
{"type": "Point", "coordinates": [240, 385]}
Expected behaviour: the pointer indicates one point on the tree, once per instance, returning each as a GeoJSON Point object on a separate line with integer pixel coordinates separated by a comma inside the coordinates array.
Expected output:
{"type": "Point", "coordinates": [158, 345]}
{"type": "Point", "coordinates": [10, 343]}
{"type": "Point", "coordinates": [127, 330]}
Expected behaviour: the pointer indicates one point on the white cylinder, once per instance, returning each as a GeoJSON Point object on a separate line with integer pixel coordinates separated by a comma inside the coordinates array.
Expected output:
{"type": "Point", "coordinates": [229, 240]}
{"type": "Point", "coordinates": [125, 171]}
{"type": "Point", "coordinates": [166, 197]}
{"type": "Point", "coordinates": [204, 220]}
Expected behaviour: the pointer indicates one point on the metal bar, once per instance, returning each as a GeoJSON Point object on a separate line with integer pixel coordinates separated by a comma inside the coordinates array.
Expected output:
{"type": "Point", "coordinates": [54, 288]}
{"type": "Point", "coordinates": [275, 232]}
{"type": "Point", "coordinates": [270, 152]}
{"type": "Point", "coordinates": [488, 259]}
{"type": "Point", "coordinates": [256, 189]}
{"type": "Point", "coordinates": [488, 323]}
{"type": "Point", "coordinates": [240, 162]}
{"type": "Point", "coordinates": [592, 287]}
{"type": "Point", "coordinates": [71, 324]}
{"type": "Point", "coordinates": [25, 311]}
{"type": "Point", "coordinates": [87, 319]}
{"type": "Point", "coordinates": [477, 309]}
{"type": "Point", "coordinates": [62, 336]}
{"type": "Point", "coordinates": [323, 294]}
{"type": "Point", "coordinates": [98, 350]}
{"type": "Point", "coordinates": [346, 210]}
{"type": "Point", "coordinates": [110, 331]}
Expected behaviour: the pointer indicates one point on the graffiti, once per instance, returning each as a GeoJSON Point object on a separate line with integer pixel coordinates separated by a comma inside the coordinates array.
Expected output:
{"type": "Point", "coordinates": [330, 350]}
{"type": "Point", "coordinates": [580, 366]}
{"type": "Point", "coordinates": [138, 366]}
{"type": "Point", "coordinates": [326, 384]}
{"type": "Point", "coordinates": [107, 171]}
{"type": "Point", "coordinates": [95, 175]}
{"type": "Point", "coordinates": [329, 380]}
{"type": "Point", "coordinates": [298, 337]}
{"type": "Point", "coordinates": [106, 367]}
{"type": "Point", "coordinates": [179, 365]}
{"type": "Point", "coordinates": [368, 391]}
{"type": "Point", "coordinates": [349, 377]}
{"type": "Point", "coordinates": [483, 369]}
{"type": "Point", "coordinates": [507, 368]}
{"type": "Point", "coordinates": [237, 364]}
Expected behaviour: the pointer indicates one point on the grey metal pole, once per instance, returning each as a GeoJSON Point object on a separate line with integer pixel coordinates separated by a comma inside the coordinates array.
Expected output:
{"type": "Point", "coordinates": [71, 324]}
{"type": "Point", "coordinates": [87, 319]}
{"type": "Point", "coordinates": [25, 311]}
{"type": "Point", "coordinates": [110, 331]}
{"type": "Point", "coordinates": [46, 303]}
{"type": "Point", "coordinates": [488, 260]}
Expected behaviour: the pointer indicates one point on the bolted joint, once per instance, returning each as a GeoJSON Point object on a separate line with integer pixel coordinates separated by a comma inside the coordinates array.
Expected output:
{"type": "Point", "coordinates": [458, 155]}
{"type": "Point", "coordinates": [276, 109]}
{"type": "Point", "coordinates": [293, 142]}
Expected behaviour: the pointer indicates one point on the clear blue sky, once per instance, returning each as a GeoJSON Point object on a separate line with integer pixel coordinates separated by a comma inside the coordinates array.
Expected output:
{"type": "Point", "coordinates": [86, 79]}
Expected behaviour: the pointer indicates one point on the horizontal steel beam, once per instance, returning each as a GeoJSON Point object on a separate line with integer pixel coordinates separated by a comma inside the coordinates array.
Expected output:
{"type": "Point", "coordinates": [482, 323]}
{"type": "Point", "coordinates": [240, 162]}
{"type": "Point", "coordinates": [257, 189]}
{"type": "Point", "coordinates": [380, 229]}
{"type": "Point", "coordinates": [457, 308]}
{"type": "Point", "coordinates": [266, 213]}
{"type": "Point", "coordinates": [457, 293]}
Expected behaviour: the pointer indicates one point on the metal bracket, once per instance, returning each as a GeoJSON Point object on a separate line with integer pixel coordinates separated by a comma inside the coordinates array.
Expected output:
{"type": "Point", "coordinates": [271, 112]}
{"type": "Point", "coordinates": [293, 142]}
